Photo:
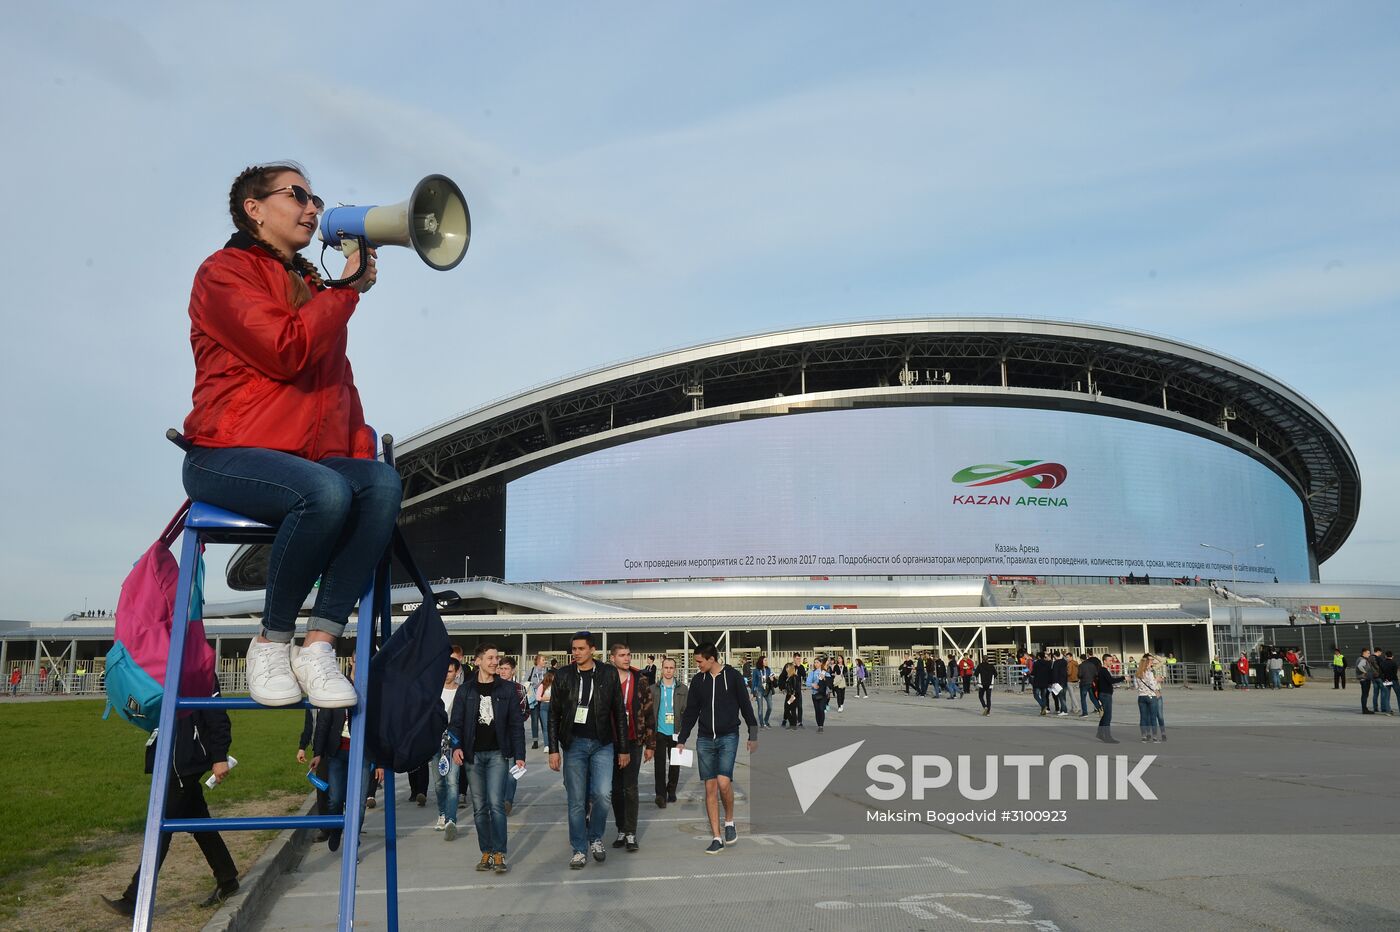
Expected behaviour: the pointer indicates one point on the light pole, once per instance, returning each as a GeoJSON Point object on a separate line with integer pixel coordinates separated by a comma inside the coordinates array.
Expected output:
{"type": "Point", "coordinates": [1234, 565]}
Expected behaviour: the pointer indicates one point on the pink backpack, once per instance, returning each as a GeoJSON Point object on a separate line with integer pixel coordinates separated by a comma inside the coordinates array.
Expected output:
{"type": "Point", "coordinates": [135, 672]}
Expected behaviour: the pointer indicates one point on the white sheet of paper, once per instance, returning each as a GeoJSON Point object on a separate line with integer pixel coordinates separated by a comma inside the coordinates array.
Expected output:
{"type": "Point", "coordinates": [517, 771]}
{"type": "Point", "coordinates": [684, 758]}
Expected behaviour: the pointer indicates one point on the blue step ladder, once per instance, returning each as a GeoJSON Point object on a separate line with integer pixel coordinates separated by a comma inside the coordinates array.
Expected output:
{"type": "Point", "coordinates": [206, 524]}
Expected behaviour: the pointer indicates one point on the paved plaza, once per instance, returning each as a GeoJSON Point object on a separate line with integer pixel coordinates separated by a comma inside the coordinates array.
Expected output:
{"type": "Point", "coordinates": [953, 879]}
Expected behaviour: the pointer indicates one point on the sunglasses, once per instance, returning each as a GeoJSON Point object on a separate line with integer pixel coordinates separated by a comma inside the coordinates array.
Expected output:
{"type": "Point", "coordinates": [302, 195]}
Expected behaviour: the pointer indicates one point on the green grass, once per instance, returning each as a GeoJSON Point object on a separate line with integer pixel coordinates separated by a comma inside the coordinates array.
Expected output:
{"type": "Point", "coordinates": [70, 783]}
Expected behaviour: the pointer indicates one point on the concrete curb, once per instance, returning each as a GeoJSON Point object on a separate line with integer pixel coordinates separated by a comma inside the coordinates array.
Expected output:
{"type": "Point", "coordinates": [283, 855]}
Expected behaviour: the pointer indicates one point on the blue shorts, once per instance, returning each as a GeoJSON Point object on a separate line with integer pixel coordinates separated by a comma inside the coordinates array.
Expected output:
{"type": "Point", "coordinates": [715, 756]}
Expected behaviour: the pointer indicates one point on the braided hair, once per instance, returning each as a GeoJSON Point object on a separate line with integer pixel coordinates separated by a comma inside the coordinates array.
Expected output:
{"type": "Point", "coordinates": [255, 181]}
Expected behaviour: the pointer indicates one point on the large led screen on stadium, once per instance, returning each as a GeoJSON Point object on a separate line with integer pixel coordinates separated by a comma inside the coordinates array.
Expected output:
{"type": "Point", "coordinates": [908, 491]}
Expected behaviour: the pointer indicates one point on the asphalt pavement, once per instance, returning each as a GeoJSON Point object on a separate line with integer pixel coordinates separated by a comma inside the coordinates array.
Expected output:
{"type": "Point", "coordinates": [928, 879]}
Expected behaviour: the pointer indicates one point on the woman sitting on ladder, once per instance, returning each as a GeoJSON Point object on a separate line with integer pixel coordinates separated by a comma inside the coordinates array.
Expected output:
{"type": "Point", "coordinates": [278, 433]}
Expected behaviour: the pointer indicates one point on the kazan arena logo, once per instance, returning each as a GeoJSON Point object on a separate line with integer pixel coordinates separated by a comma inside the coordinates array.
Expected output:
{"type": "Point", "coordinates": [1034, 473]}
{"type": "Point", "coordinates": [1037, 474]}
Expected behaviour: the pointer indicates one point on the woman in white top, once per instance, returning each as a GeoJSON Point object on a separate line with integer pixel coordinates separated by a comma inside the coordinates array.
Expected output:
{"type": "Point", "coordinates": [1149, 693]}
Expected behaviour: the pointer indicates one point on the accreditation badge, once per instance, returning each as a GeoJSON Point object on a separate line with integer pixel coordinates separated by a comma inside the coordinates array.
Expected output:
{"type": "Point", "coordinates": [581, 715]}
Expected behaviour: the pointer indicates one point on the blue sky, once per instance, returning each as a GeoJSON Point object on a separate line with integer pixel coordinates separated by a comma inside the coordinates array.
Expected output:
{"type": "Point", "coordinates": [644, 176]}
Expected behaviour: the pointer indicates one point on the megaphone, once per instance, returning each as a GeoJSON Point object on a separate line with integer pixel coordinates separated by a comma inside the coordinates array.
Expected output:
{"type": "Point", "coordinates": [434, 222]}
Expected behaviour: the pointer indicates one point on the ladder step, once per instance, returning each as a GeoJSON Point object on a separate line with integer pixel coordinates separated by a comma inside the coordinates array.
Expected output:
{"type": "Point", "coordinates": [219, 702]}
{"type": "Point", "coordinates": [251, 823]}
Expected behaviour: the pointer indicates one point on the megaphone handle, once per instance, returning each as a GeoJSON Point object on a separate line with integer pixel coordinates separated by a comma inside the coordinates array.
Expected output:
{"type": "Point", "coordinates": [360, 243]}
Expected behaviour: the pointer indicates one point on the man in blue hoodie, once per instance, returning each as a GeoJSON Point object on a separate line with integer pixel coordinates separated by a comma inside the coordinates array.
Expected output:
{"type": "Point", "coordinates": [718, 697]}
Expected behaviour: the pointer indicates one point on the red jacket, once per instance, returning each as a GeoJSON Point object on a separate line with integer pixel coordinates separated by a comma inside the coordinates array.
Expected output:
{"type": "Point", "coordinates": [268, 374]}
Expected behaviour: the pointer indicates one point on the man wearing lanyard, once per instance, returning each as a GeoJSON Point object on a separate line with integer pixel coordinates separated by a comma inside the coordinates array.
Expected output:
{"type": "Point", "coordinates": [666, 697]}
{"type": "Point", "coordinates": [636, 706]}
{"type": "Point", "coordinates": [585, 713]}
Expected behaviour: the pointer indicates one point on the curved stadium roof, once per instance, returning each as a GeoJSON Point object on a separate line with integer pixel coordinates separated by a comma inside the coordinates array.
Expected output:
{"type": "Point", "coordinates": [963, 361]}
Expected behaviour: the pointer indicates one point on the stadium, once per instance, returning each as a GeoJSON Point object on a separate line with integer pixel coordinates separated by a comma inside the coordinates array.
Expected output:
{"type": "Point", "coordinates": [880, 488]}
{"type": "Point", "coordinates": [1157, 404]}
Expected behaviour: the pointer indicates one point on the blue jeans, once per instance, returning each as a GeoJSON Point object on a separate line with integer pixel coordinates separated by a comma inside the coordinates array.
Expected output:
{"type": "Point", "coordinates": [445, 787]}
{"type": "Point", "coordinates": [1086, 698]}
{"type": "Point", "coordinates": [715, 756]}
{"type": "Point", "coordinates": [952, 687]}
{"type": "Point", "coordinates": [1276, 678]}
{"type": "Point", "coordinates": [588, 776]}
{"type": "Point", "coordinates": [338, 776]}
{"type": "Point", "coordinates": [486, 775]}
{"type": "Point", "coordinates": [1150, 716]}
{"type": "Point", "coordinates": [763, 705]}
{"type": "Point", "coordinates": [1042, 697]}
{"type": "Point", "coordinates": [542, 709]}
{"type": "Point", "coordinates": [537, 720]}
{"type": "Point", "coordinates": [1106, 703]}
{"type": "Point", "coordinates": [333, 521]}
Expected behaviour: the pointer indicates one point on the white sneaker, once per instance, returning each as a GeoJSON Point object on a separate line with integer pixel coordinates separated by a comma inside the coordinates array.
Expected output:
{"type": "Point", "coordinates": [270, 679]}
{"type": "Point", "coordinates": [441, 824]}
{"type": "Point", "coordinates": [320, 676]}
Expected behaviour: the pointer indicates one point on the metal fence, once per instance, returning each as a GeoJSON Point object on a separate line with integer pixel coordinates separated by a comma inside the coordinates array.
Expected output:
{"type": "Point", "coordinates": [65, 679]}
{"type": "Point", "coordinates": [90, 679]}
{"type": "Point", "coordinates": [47, 677]}
{"type": "Point", "coordinates": [1009, 676]}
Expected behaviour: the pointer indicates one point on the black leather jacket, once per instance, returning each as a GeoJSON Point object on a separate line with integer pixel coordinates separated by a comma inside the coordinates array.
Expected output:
{"type": "Point", "coordinates": [320, 732]}
{"type": "Point", "coordinates": [605, 705]}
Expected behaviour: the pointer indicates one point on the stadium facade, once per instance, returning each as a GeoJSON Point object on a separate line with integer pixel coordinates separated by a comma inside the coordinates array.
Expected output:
{"type": "Point", "coordinates": [1086, 450]}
